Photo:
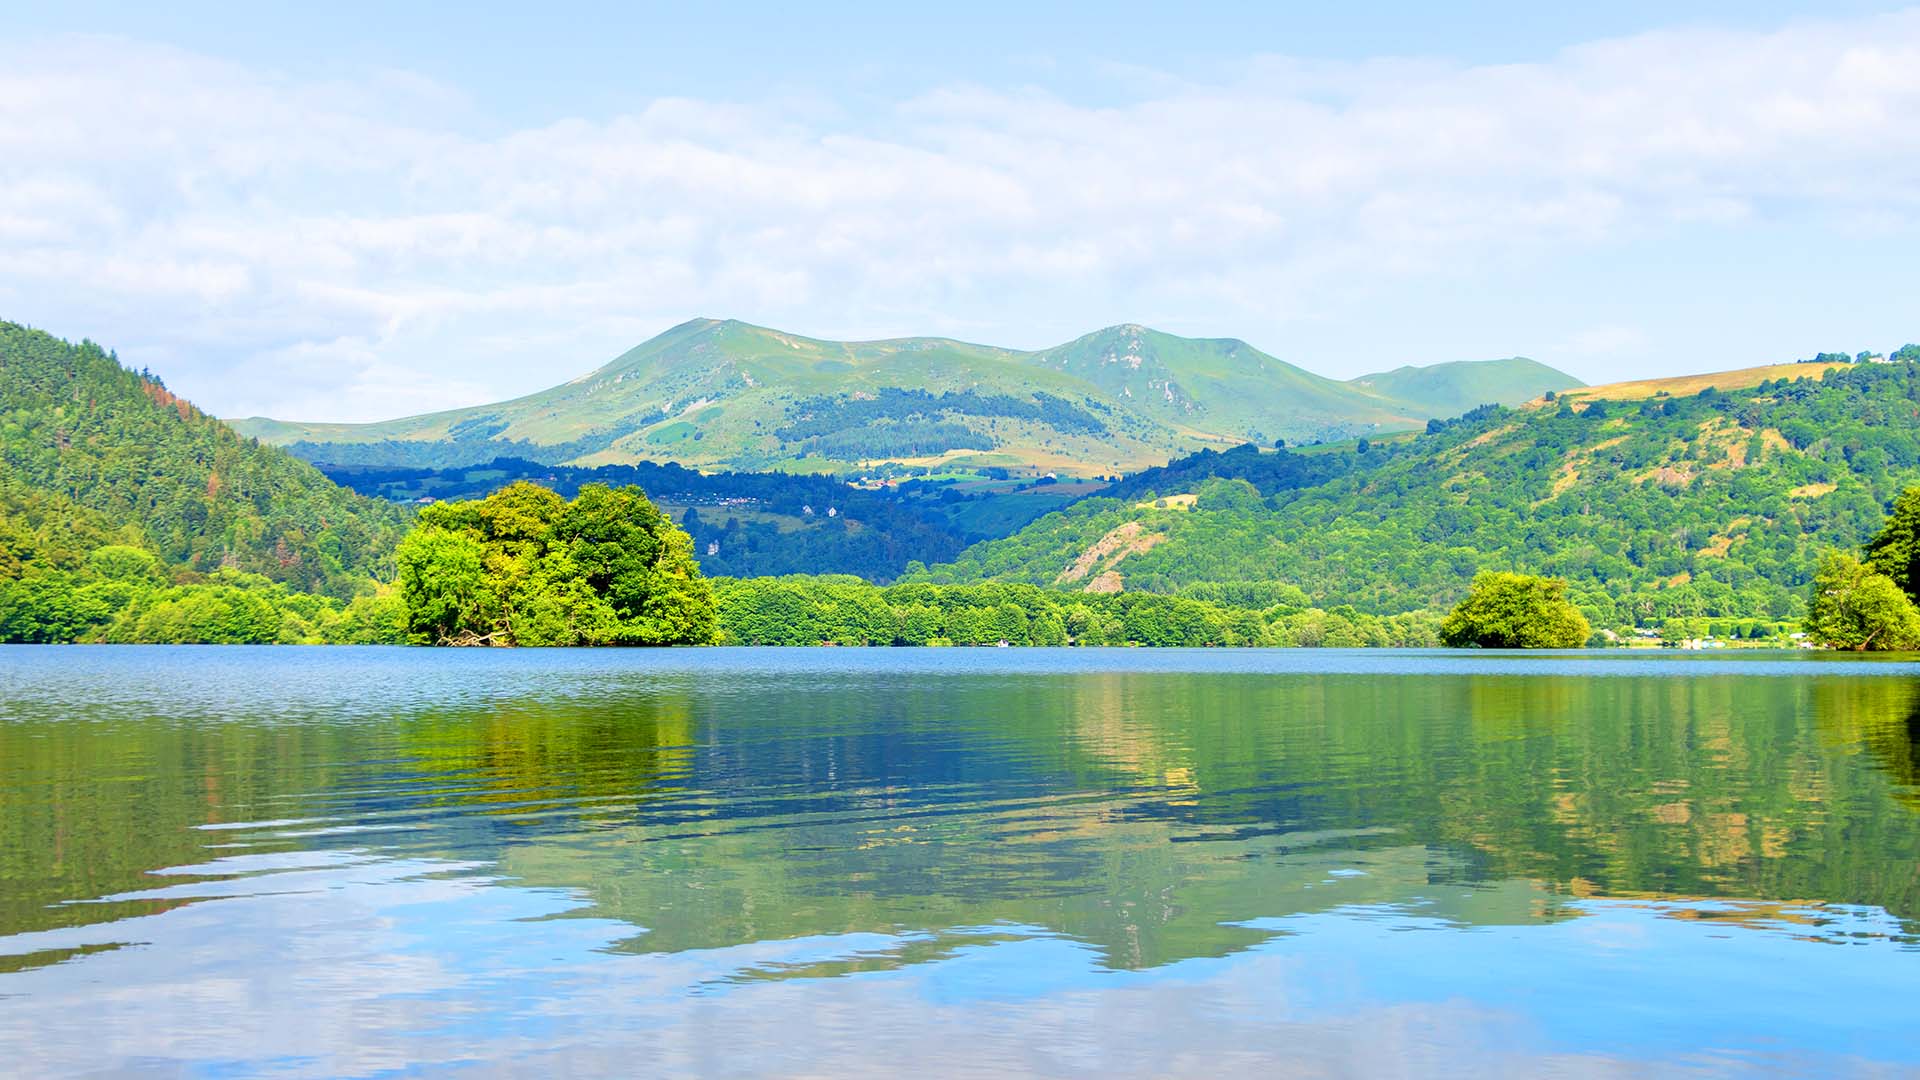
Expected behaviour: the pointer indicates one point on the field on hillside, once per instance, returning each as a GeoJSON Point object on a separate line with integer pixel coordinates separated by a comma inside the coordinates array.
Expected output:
{"type": "Point", "coordinates": [1684, 385]}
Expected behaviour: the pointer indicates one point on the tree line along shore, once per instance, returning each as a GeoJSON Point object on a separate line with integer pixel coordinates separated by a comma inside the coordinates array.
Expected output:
{"type": "Point", "coordinates": [525, 567]}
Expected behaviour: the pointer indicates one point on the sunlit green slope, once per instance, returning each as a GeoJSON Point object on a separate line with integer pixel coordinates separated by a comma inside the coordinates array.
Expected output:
{"type": "Point", "coordinates": [1713, 504]}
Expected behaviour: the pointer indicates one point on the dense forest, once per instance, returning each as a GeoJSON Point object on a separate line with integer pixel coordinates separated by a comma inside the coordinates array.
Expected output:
{"type": "Point", "coordinates": [848, 611]}
{"type": "Point", "coordinates": [123, 594]}
{"type": "Point", "coordinates": [749, 524]}
{"type": "Point", "coordinates": [93, 451]}
{"type": "Point", "coordinates": [1716, 505]}
{"type": "Point", "coordinates": [1269, 474]}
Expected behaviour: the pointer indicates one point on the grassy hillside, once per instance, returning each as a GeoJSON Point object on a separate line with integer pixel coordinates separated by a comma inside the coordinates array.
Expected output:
{"type": "Point", "coordinates": [1683, 385]}
{"type": "Point", "coordinates": [96, 454]}
{"type": "Point", "coordinates": [723, 394]}
{"type": "Point", "coordinates": [1226, 387]}
{"type": "Point", "coordinates": [1713, 504]}
{"type": "Point", "coordinates": [1453, 388]}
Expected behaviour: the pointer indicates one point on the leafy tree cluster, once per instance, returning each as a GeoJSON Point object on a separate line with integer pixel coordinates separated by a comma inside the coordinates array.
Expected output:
{"type": "Point", "coordinates": [1515, 611]}
{"type": "Point", "coordinates": [1852, 606]}
{"type": "Point", "coordinates": [843, 610]}
{"type": "Point", "coordinates": [526, 567]}
{"type": "Point", "coordinates": [1269, 473]}
{"type": "Point", "coordinates": [1471, 416]}
{"type": "Point", "coordinates": [1905, 354]}
{"type": "Point", "coordinates": [1895, 550]}
{"type": "Point", "coordinates": [1873, 604]}
{"type": "Point", "coordinates": [119, 454]}
{"type": "Point", "coordinates": [1709, 506]}
{"type": "Point", "coordinates": [123, 594]}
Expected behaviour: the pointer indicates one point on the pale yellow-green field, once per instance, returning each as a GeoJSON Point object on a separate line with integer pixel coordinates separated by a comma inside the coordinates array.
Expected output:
{"type": "Point", "coordinates": [1684, 385]}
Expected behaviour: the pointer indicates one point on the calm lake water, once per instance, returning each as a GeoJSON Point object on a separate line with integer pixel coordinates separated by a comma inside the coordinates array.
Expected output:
{"type": "Point", "coordinates": [358, 862]}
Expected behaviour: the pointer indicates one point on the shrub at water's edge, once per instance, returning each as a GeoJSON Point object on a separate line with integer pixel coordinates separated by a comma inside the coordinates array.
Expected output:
{"type": "Point", "coordinates": [1872, 605]}
{"type": "Point", "coordinates": [1515, 611]}
{"type": "Point", "coordinates": [526, 567]}
{"type": "Point", "coordinates": [1853, 607]}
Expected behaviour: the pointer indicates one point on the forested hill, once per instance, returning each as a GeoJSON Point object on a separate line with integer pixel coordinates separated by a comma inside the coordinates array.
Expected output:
{"type": "Point", "coordinates": [94, 453]}
{"type": "Point", "coordinates": [1713, 503]}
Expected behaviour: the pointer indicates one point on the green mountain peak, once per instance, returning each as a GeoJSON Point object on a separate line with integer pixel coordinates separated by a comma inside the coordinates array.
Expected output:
{"type": "Point", "coordinates": [723, 393]}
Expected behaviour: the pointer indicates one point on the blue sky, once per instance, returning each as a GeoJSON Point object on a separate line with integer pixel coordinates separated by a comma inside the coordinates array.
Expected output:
{"type": "Point", "coordinates": [354, 212]}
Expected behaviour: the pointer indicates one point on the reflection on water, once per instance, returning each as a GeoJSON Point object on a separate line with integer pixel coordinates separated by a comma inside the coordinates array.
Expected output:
{"type": "Point", "coordinates": [347, 862]}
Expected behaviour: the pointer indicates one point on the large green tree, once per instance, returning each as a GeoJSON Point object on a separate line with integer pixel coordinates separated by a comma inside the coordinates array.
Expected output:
{"type": "Point", "coordinates": [526, 567]}
{"type": "Point", "coordinates": [443, 581]}
{"type": "Point", "coordinates": [1895, 552]}
{"type": "Point", "coordinates": [1854, 607]}
{"type": "Point", "coordinates": [1515, 611]}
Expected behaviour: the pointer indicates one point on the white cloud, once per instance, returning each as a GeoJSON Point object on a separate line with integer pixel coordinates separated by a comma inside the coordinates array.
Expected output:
{"type": "Point", "coordinates": [305, 249]}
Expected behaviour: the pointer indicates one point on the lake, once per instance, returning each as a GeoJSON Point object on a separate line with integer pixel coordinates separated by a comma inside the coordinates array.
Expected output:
{"type": "Point", "coordinates": [359, 862]}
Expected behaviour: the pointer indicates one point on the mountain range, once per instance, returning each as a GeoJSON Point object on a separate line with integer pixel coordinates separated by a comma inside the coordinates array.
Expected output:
{"type": "Point", "coordinates": [724, 394]}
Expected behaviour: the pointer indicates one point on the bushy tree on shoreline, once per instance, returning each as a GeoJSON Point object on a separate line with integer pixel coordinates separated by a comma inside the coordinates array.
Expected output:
{"type": "Point", "coordinates": [1515, 611]}
{"type": "Point", "coordinates": [526, 567]}
{"type": "Point", "coordinates": [1853, 607]}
